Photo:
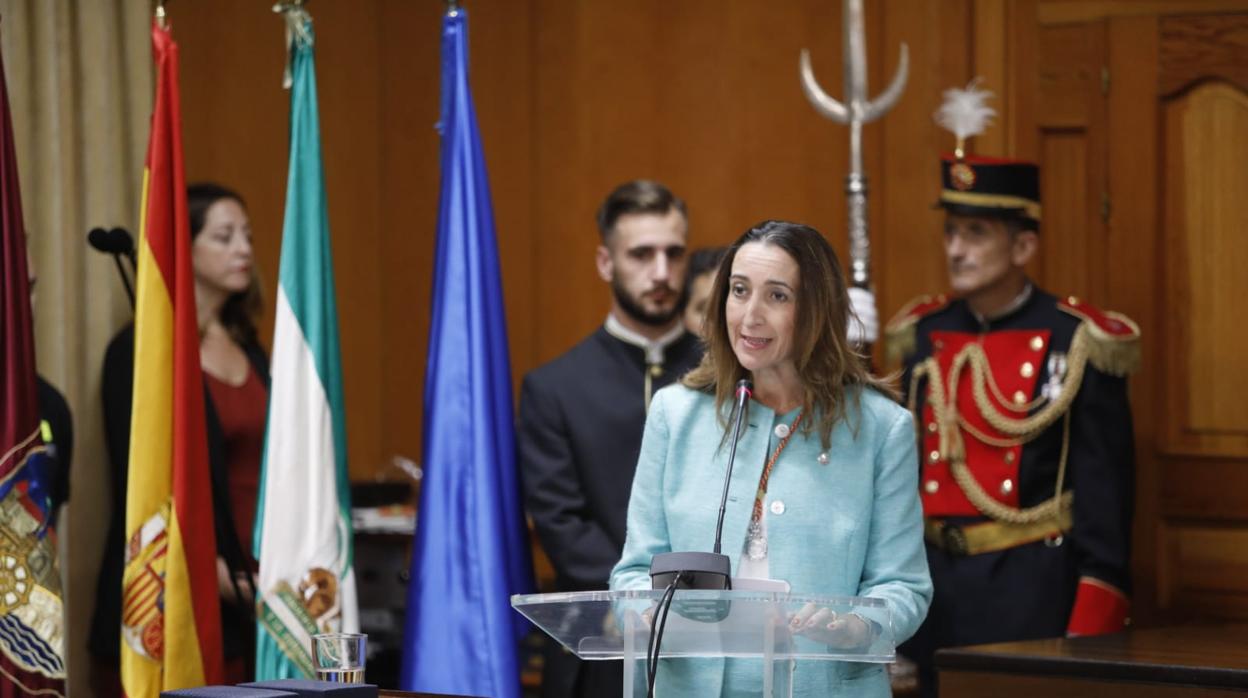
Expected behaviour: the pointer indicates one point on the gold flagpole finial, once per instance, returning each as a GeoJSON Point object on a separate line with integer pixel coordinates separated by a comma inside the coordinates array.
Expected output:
{"type": "Point", "coordinates": [452, 7]}
{"type": "Point", "coordinates": [161, 15]}
{"type": "Point", "coordinates": [298, 29]}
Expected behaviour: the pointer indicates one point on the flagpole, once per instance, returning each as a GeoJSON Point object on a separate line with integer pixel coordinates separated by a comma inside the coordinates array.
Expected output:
{"type": "Point", "coordinates": [307, 581]}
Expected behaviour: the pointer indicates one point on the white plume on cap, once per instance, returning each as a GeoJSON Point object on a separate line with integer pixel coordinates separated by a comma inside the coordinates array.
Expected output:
{"type": "Point", "coordinates": [964, 111]}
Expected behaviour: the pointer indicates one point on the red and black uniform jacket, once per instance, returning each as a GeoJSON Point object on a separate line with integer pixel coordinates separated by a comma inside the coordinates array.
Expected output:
{"type": "Point", "coordinates": [1061, 365]}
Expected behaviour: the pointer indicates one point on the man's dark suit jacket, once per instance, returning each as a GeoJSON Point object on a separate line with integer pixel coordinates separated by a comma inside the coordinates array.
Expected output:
{"type": "Point", "coordinates": [581, 418]}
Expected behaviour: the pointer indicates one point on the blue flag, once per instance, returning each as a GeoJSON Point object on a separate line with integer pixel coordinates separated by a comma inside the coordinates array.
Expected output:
{"type": "Point", "coordinates": [471, 549]}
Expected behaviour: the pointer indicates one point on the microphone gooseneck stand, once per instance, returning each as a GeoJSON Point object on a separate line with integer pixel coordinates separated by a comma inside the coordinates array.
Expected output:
{"type": "Point", "coordinates": [695, 570]}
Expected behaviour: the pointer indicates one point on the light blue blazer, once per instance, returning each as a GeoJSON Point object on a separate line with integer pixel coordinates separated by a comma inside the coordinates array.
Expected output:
{"type": "Point", "coordinates": [850, 527]}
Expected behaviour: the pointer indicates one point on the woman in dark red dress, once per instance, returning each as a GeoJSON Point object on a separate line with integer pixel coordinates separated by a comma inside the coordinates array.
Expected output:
{"type": "Point", "coordinates": [236, 382]}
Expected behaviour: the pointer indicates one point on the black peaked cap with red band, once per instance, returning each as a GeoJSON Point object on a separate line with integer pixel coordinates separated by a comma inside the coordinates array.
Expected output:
{"type": "Point", "coordinates": [992, 187]}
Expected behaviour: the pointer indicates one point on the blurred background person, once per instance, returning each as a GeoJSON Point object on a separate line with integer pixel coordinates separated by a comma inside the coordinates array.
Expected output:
{"type": "Point", "coordinates": [581, 415]}
{"type": "Point", "coordinates": [236, 379]}
{"type": "Point", "coordinates": [1029, 468]}
{"type": "Point", "coordinates": [56, 423]}
{"type": "Point", "coordinates": [699, 278]}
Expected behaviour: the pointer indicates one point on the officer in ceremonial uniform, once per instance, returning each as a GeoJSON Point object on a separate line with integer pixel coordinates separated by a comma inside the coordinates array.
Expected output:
{"type": "Point", "coordinates": [581, 416]}
{"type": "Point", "coordinates": [1025, 437]}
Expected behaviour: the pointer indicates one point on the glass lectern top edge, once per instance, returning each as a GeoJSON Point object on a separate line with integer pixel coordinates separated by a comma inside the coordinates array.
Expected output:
{"type": "Point", "coordinates": [696, 594]}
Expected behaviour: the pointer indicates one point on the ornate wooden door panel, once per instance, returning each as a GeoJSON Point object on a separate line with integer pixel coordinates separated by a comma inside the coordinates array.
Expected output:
{"type": "Point", "coordinates": [1202, 448]}
{"type": "Point", "coordinates": [1142, 119]}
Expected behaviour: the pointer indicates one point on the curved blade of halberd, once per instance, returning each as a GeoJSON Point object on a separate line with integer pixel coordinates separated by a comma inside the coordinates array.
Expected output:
{"type": "Point", "coordinates": [880, 105]}
{"type": "Point", "coordinates": [823, 103]}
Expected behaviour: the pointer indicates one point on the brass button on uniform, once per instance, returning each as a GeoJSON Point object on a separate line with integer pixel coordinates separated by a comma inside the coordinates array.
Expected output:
{"type": "Point", "coordinates": [1007, 486]}
{"type": "Point", "coordinates": [1027, 370]}
{"type": "Point", "coordinates": [931, 427]}
{"type": "Point", "coordinates": [1009, 457]}
{"type": "Point", "coordinates": [934, 456]}
{"type": "Point", "coordinates": [1037, 343]}
{"type": "Point", "coordinates": [1019, 397]}
{"type": "Point", "coordinates": [931, 486]}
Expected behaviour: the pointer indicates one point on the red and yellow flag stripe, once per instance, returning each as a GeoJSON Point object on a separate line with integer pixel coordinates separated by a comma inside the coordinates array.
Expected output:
{"type": "Point", "coordinates": [176, 641]}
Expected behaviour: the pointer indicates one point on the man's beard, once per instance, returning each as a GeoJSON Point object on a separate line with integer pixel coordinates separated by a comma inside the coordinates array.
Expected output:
{"type": "Point", "coordinates": [634, 310]}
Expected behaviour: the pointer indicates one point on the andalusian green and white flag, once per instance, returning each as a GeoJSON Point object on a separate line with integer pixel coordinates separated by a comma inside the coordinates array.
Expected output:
{"type": "Point", "coordinates": [303, 520]}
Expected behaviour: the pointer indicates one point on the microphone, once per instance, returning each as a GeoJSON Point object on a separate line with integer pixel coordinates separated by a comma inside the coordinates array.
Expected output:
{"type": "Point", "coordinates": [112, 241]}
{"type": "Point", "coordinates": [699, 570]}
{"type": "Point", "coordinates": [116, 242]}
{"type": "Point", "coordinates": [124, 244]}
{"type": "Point", "coordinates": [101, 240]}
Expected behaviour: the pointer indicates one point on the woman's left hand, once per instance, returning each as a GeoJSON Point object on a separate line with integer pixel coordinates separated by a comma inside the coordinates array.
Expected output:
{"type": "Point", "coordinates": [822, 624]}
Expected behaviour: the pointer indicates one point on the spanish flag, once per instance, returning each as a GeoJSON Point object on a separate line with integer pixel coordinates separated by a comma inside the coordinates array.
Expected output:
{"type": "Point", "coordinates": [171, 624]}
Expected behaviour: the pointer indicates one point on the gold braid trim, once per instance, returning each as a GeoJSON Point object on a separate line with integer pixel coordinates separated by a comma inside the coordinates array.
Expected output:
{"type": "Point", "coordinates": [1115, 355]}
{"type": "Point", "coordinates": [900, 332]}
{"type": "Point", "coordinates": [1024, 429]}
{"type": "Point", "coordinates": [899, 342]}
{"type": "Point", "coordinates": [1050, 508]}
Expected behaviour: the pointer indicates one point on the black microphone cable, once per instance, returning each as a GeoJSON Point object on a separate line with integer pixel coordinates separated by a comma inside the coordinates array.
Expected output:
{"type": "Point", "coordinates": [656, 633]}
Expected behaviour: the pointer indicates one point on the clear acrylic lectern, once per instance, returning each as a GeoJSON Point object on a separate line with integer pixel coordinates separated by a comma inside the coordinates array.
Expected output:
{"type": "Point", "coordinates": [615, 625]}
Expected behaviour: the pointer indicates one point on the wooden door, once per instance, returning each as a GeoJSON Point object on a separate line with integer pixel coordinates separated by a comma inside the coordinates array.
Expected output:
{"type": "Point", "coordinates": [1143, 136]}
{"type": "Point", "coordinates": [1201, 446]}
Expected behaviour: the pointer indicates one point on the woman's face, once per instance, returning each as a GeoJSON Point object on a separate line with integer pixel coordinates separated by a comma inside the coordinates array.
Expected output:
{"type": "Point", "coordinates": [221, 253]}
{"type": "Point", "coordinates": [761, 309]}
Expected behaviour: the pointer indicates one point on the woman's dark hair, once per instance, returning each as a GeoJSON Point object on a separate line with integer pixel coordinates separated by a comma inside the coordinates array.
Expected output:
{"type": "Point", "coordinates": [826, 361]}
{"type": "Point", "coordinates": [240, 310]}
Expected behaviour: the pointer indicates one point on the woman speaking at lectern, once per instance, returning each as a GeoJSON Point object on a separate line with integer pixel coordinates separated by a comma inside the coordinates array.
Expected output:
{"type": "Point", "coordinates": [824, 492]}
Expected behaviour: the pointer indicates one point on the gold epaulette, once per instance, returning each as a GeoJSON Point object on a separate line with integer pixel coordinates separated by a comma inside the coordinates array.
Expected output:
{"type": "Point", "coordinates": [899, 334]}
{"type": "Point", "coordinates": [1114, 346]}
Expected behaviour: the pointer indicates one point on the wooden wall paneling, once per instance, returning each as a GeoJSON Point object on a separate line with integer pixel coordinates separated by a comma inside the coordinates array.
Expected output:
{"type": "Point", "coordinates": [1197, 47]}
{"type": "Point", "coordinates": [1064, 183]}
{"type": "Point", "coordinates": [1172, 172]}
{"type": "Point", "coordinates": [1210, 568]}
{"type": "Point", "coordinates": [1132, 278]}
{"type": "Point", "coordinates": [1074, 11]}
{"type": "Point", "coordinates": [408, 38]}
{"type": "Point", "coordinates": [991, 53]}
{"type": "Point", "coordinates": [909, 257]}
{"type": "Point", "coordinates": [1072, 147]}
{"type": "Point", "coordinates": [1206, 487]}
{"type": "Point", "coordinates": [1206, 131]}
{"type": "Point", "coordinates": [1022, 65]}
{"type": "Point", "coordinates": [567, 289]}
{"type": "Point", "coordinates": [349, 89]}
{"type": "Point", "coordinates": [503, 78]}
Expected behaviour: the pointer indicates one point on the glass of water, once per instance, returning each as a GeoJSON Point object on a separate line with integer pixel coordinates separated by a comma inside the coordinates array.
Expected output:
{"type": "Point", "coordinates": [339, 657]}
